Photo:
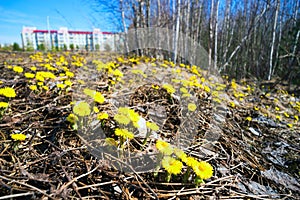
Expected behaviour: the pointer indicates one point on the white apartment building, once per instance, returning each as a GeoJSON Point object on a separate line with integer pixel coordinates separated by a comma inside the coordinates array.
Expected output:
{"type": "Point", "coordinates": [68, 39]}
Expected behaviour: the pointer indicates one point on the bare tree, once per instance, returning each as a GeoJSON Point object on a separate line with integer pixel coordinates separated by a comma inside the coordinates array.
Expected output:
{"type": "Point", "coordinates": [216, 36]}
{"type": "Point", "coordinates": [273, 40]}
{"type": "Point", "coordinates": [177, 31]}
{"type": "Point", "coordinates": [211, 23]}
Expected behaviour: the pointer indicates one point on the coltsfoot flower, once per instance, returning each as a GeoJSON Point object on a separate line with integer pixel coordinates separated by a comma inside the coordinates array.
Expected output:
{"type": "Point", "coordinates": [171, 165]}
{"type": "Point", "coordinates": [164, 147]}
{"type": "Point", "coordinates": [7, 92]}
{"type": "Point", "coordinates": [82, 109]}
{"type": "Point", "coordinates": [18, 136]}
{"type": "Point", "coordinates": [204, 170]}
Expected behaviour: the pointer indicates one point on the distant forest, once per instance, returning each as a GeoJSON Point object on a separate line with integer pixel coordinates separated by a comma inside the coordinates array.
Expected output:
{"type": "Point", "coordinates": [244, 39]}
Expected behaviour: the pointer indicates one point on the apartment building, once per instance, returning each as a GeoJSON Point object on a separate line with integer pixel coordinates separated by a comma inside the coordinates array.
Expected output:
{"type": "Point", "coordinates": [68, 39]}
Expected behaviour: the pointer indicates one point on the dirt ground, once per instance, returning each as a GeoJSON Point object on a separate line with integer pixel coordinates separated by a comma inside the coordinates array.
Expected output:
{"type": "Point", "coordinates": [249, 135]}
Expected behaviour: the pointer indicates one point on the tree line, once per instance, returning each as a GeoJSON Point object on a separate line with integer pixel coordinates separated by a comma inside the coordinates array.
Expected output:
{"type": "Point", "coordinates": [244, 39]}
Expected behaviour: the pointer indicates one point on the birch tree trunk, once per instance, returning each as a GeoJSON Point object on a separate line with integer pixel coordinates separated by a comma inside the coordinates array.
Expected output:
{"type": "Point", "coordinates": [216, 37]}
{"type": "Point", "coordinates": [273, 40]}
{"type": "Point", "coordinates": [226, 31]}
{"type": "Point", "coordinates": [211, 34]}
{"type": "Point", "coordinates": [177, 31]}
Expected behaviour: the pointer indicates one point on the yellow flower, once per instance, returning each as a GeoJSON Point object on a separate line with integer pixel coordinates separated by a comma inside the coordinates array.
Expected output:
{"type": "Point", "coordinates": [68, 82]}
{"type": "Point", "coordinates": [170, 89]}
{"type": "Point", "coordinates": [33, 68]}
{"type": "Point", "coordinates": [69, 74]}
{"type": "Point", "coordinates": [278, 117]}
{"type": "Point", "coordinates": [7, 92]}
{"type": "Point", "coordinates": [101, 116]}
{"type": "Point", "coordinates": [191, 162]}
{"type": "Point", "coordinates": [45, 88]}
{"type": "Point", "coordinates": [155, 87]}
{"type": "Point", "coordinates": [122, 119]}
{"type": "Point", "coordinates": [164, 65]}
{"type": "Point", "coordinates": [29, 75]}
{"type": "Point", "coordinates": [18, 136]}
{"type": "Point", "coordinates": [171, 165]}
{"type": "Point", "coordinates": [206, 89]}
{"type": "Point", "coordinates": [125, 115]}
{"type": "Point", "coordinates": [39, 77]}
{"type": "Point", "coordinates": [192, 107]}
{"type": "Point", "coordinates": [232, 104]}
{"type": "Point", "coordinates": [204, 170]}
{"type": "Point", "coordinates": [3, 104]}
{"type": "Point", "coordinates": [164, 147]}
{"type": "Point", "coordinates": [33, 87]}
{"type": "Point", "coordinates": [18, 69]}
{"type": "Point", "coordinates": [99, 98]}
{"type": "Point", "coordinates": [286, 114]}
{"type": "Point", "coordinates": [217, 100]}
{"type": "Point", "coordinates": [183, 90]}
{"type": "Point", "coordinates": [60, 85]}
{"type": "Point", "coordinates": [152, 126]}
{"type": "Point", "coordinates": [112, 82]}
{"type": "Point", "coordinates": [290, 125]}
{"type": "Point", "coordinates": [40, 83]}
{"type": "Point", "coordinates": [124, 133]}
{"type": "Point", "coordinates": [95, 109]}
{"type": "Point", "coordinates": [180, 154]}
{"type": "Point", "coordinates": [249, 118]}
{"type": "Point", "coordinates": [117, 73]}
{"type": "Point", "coordinates": [72, 118]}
{"type": "Point", "coordinates": [233, 84]}
{"type": "Point", "coordinates": [194, 70]}
{"type": "Point", "coordinates": [133, 116]}
{"type": "Point", "coordinates": [277, 109]}
{"type": "Point", "coordinates": [82, 109]}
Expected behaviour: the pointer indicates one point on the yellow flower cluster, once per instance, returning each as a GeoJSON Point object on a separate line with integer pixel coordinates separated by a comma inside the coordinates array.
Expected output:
{"type": "Point", "coordinates": [7, 92]}
{"type": "Point", "coordinates": [170, 89]}
{"type": "Point", "coordinates": [202, 169]}
{"type": "Point", "coordinates": [127, 115]}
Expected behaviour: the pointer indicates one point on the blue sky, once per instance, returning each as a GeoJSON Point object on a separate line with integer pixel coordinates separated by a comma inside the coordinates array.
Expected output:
{"type": "Point", "coordinates": [74, 14]}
